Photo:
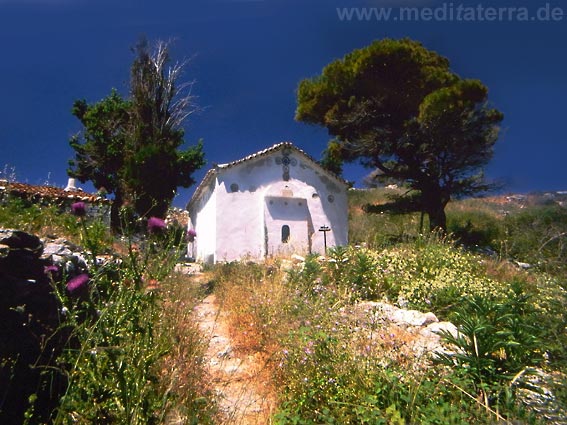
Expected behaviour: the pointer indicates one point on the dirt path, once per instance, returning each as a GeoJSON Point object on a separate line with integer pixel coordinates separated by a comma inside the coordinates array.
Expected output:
{"type": "Point", "coordinates": [237, 378]}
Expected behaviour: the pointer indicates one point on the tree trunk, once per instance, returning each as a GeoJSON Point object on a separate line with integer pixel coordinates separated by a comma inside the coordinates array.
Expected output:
{"type": "Point", "coordinates": [437, 219]}
{"type": "Point", "coordinates": [434, 205]}
{"type": "Point", "coordinates": [115, 213]}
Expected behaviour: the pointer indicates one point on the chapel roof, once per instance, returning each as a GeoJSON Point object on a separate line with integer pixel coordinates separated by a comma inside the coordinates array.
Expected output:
{"type": "Point", "coordinates": [278, 146]}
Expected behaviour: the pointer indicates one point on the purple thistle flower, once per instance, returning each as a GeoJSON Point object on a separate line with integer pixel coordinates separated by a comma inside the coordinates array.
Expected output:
{"type": "Point", "coordinates": [191, 235]}
{"type": "Point", "coordinates": [79, 209]}
{"type": "Point", "coordinates": [78, 284]}
{"type": "Point", "coordinates": [49, 270]}
{"type": "Point", "coordinates": [156, 225]}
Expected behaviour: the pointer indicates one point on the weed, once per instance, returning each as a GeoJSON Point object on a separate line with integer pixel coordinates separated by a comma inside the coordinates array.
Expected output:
{"type": "Point", "coordinates": [120, 328]}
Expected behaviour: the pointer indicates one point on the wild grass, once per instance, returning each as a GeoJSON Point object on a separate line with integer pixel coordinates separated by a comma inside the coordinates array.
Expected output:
{"type": "Point", "coordinates": [42, 220]}
{"type": "Point", "coordinates": [379, 230]}
{"type": "Point", "coordinates": [328, 368]}
{"type": "Point", "coordinates": [532, 232]}
{"type": "Point", "coordinates": [130, 352]}
{"type": "Point", "coordinates": [183, 380]}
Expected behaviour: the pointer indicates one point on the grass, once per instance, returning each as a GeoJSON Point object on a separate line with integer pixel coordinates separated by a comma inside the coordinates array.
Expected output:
{"type": "Point", "coordinates": [41, 220]}
{"type": "Point", "coordinates": [182, 377]}
{"type": "Point", "coordinates": [533, 231]}
{"type": "Point", "coordinates": [378, 230]}
{"type": "Point", "coordinates": [128, 350]}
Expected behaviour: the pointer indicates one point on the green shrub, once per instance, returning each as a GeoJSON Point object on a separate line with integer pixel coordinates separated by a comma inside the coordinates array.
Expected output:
{"type": "Point", "coordinates": [355, 272]}
{"type": "Point", "coordinates": [496, 340]}
{"type": "Point", "coordinates": [23, 215]}
{"type": "Point", "coordinates": [433, 275]}
{"type": "Point", "coordinates": [329, 370]}
{"type": "Point", "coordinates": [378, 230]}
{"type": "Point", "coordinates": [538, 236]}
{"type": "Point", "coordinates": [325, 376]}
{"type": "Point", "coordinates": [112, 374]}
{"type": "Point", "coordinates": [474, 228]}
{"type": "Point", "coordinates": [113, 353]}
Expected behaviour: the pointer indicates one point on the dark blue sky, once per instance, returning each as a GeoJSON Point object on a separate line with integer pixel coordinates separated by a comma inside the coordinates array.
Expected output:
{"type": "Point", "coordinates": [247, 58]}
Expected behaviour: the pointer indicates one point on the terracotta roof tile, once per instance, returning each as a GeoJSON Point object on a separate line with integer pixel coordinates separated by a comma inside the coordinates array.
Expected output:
{"type": "Point", "coordinates": [49, 192]}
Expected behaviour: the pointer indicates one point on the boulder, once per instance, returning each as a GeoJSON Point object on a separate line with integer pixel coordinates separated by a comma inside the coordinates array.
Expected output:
{"type": "Point", "coordinates": [538, 390]}
{"type": "Point", "coordinates": [435, 330]}
{"type": "Point", "coordinates": [297, 259]}
{"type": "Point", "coordinates": [382, 311]}
{"type": "Point", "coordinates": [18, 240]}
{"type": "Point", "coordinates": [412, 317]}
{"type": "Point", "coordinates": [66, 255]}
{"type": "Point", "coordinates": [57, 249]}
{"type": "Point", "coordinates": [29, 328]}
{"type": "Point", "coordinates": [20, 254]}
{"type": "Point", "coordinates": [420, 333]}
{"type": "Point", "coordinates": [4, 250]}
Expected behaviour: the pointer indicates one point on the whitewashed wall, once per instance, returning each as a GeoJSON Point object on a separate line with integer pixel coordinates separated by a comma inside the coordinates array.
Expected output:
{"type": "Point", "coordinates": [242, 223]}
{"type": "Point", "coordinates": [203, 220]}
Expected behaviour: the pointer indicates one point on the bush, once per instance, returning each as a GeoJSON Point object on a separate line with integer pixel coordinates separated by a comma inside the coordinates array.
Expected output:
{"type": "Point", "coordinates": [538, 236]}
{"type": "Point", "coordinates": [474, 228]}
{"type": "Point", "coordinates": [378, 230]}
{"type": "Point", "coordinates": [329, 371]}
{"type": "Point", "coordinates": [498, 338]}
{"type": "Point", "coordinates": [16, 213]}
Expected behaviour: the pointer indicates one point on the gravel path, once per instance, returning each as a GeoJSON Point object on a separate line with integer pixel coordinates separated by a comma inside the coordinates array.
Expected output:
{"type": "Point", "coordinates": [237, 378]}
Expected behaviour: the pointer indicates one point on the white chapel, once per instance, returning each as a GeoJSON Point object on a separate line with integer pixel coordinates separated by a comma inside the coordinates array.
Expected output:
{"type": "Point", "coordinates": [276, 202]}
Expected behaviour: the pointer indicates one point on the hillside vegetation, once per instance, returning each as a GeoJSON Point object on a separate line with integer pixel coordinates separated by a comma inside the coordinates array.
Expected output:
{"type": "Point", "coordinates": [499, 277]}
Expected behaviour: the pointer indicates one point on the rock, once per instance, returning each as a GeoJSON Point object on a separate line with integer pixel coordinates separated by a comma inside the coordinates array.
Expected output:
{"type": "Point", "coordinates": [4, 251]}
{"type": "Point", "coordinates": [56, 249]}
{"type": "Point", "coordinates": [427, 345]}
{"type": "Point", "coordinates": [431, 338]}
{"type": "Point", "coordinates": [20, 255]}
{"type": "Point", "coordinates": [297, 259]}
{"type": "Point", "coordinates": [18, 240]}
{"type": "Point", "coordinates": [412, 317]}
{"type": "Point", "coordinates": [486, 250]}
{"type": "Point", "coordinates": [68, 244]}
{"type": "Point", "coordinates": [419, 332]}
{"type": "Point", "coordinates": [231, 369]}
{"type": "Point", "coordinates": [225, 353]}
{"type": "Point", "coordinates": [435, 330]}
{"type": "Point", "coordinates": [524, 266]}
{"type": "Point", "coordinates": [29, 333]}
{"type": "Point", "coordinates": [537, 389]}
{"type": "Point", "coordinates": [387, 312]}
{"type": "Point", "coordinates": [67, 256]}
